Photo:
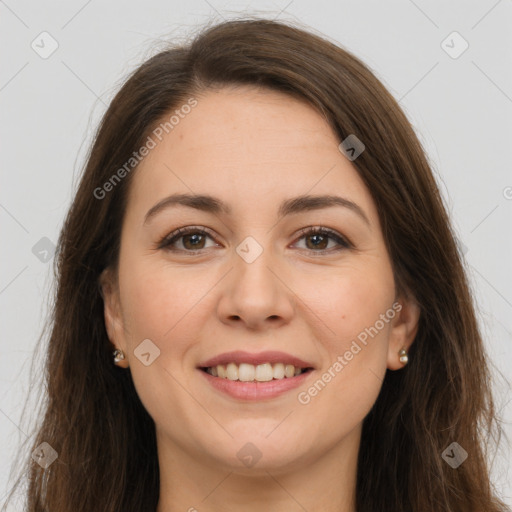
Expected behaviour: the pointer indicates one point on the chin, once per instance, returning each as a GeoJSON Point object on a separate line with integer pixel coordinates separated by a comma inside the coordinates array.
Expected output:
{"type": "Point", "coordinates": [254, 453]}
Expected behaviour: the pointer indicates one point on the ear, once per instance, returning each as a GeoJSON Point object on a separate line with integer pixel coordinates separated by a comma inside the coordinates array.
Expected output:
{"type": "Point", "coordinates": [404, 328]}
{"type": "Point", "coordinates": [112, 311]}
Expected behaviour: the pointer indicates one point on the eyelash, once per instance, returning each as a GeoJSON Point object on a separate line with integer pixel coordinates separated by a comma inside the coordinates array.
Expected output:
{"type": "Point", "coordinates": [168, 240]}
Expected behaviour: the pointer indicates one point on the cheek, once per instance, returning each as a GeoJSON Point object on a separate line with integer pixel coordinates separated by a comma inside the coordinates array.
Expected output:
{"type": "Point", "coordinates": [355, 355]}
{"type": "Point", "coordinates": [362, 314]}
{"type": "Point", "coordinates": [157, 300]}
{"type": "Point", "coordinates": [357, 307]}
{"type": "Point", "coordinates": [349, 300]}
{"type": "Point", "coordinates": [162, 310]}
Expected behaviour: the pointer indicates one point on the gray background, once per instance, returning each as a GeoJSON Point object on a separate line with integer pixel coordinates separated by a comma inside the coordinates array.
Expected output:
{"type": "Point", "coordinates": [460, 106]}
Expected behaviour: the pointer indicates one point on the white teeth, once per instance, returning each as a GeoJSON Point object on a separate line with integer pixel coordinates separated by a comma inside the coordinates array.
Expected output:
{"type": "Point", "coordinates": [232, 371]}
{"type": "Point", "coordinates": [246, 372]}
{"type": "Point", "coordinates": [289, 370]}
{"type": "Point", "coordinates": [278, 371]}
{"type": "Point", "coordinates": [221, 371]}
{"type": "Point", "coordinates": [264, 372]}
{"type": "Point", "coordinates": [249, 373]}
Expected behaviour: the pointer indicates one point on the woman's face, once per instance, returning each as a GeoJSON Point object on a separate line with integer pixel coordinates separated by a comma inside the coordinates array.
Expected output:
{"type": "Point", "coordinates": [254, 281]}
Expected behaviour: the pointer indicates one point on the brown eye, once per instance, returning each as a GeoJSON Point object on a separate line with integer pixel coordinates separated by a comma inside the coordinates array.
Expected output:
{"type": "Point", "coordinates": [317, 239]}
{"type": "Point", "coordinates": [191, 239]}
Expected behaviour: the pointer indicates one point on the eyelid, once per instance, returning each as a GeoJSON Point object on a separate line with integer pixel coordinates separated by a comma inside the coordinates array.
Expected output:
{"type": "Point", "coordinates": [342, 241]}
{"type": "Point", "coordinates": [178, 233]}
{"type": "Point", "coordinates": [338, 237]}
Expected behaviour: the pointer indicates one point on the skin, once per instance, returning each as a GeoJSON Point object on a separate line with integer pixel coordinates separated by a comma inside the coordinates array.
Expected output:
{"type": "Point", "coordinates": [253, 148]}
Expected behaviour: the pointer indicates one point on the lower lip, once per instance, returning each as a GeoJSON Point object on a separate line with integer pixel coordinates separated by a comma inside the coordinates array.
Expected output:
{"type": "Point", "coordinates": [256, 390]}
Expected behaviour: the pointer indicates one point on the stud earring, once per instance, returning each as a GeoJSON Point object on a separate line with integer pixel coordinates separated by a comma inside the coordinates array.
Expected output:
{"type": "Point", "coordinates": [118, 355]}
{"type": "Point", "coordinates": [403, 356]}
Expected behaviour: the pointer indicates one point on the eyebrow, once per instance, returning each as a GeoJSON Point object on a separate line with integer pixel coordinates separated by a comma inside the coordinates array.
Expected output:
{"type": "Point", "coordinates": [210, 204]}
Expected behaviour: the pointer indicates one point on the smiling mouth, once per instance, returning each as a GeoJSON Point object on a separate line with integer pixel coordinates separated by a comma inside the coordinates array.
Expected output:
{"type": "Point", "coordinates": [245, 372]}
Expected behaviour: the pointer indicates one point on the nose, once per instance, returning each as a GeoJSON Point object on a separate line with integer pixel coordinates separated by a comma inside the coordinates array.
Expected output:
{"type": "Point", "coordinates": [256, 294]}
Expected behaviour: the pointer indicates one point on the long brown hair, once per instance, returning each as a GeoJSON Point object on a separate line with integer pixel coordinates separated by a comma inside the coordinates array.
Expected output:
{"type": "Point", "coordinates": [91, 414]}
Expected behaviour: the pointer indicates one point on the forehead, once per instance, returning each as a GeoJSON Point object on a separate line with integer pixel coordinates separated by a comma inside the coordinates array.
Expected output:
{"type": "Point", "coordinates": [247, 145]}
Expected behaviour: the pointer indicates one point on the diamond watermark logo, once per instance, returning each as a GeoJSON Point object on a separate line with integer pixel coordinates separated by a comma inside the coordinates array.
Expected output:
{"type": "Point", "coordinates": [454, 45]}
{"type": "Point", "coordinates": [44, 45]}
{"type": "Point", "coordinates": [44, 455]}
{"type": "Point", "coordinates": [455, 455]}
{"type": "Point", "coordinates": [147, 352]}
{"type": "Point", "coordinates": [351, 147]}
{"type": "Point", "coordinates": [249, 454]}
{"type": "Point", "coordinates": [44, 250]}
{"type": "Point", "coordinates": [249, 249]}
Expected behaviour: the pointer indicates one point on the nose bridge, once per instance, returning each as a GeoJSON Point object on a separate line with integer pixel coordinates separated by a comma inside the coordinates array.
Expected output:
{"type": "Point", "coordinates": [255, 292]}
{"type": "Point", "coordinates": [253, 260]}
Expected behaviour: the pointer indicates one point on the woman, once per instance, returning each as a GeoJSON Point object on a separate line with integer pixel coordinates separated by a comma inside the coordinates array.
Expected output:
{"type": "Point", "coordinates": [260, 302]}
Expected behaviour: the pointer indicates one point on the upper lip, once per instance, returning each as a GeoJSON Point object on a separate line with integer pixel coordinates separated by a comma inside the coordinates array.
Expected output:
{"type": "Point", "coordinates": [269, 356]}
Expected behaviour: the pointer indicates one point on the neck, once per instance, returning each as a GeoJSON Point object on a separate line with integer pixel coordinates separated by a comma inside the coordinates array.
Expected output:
{"type": "Point", "coordinates": [326, 483]}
